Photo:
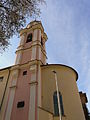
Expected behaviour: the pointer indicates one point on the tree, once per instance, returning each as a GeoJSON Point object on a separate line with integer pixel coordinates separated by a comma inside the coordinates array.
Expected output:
{"type": "Point", "coordinates": [13, 14]}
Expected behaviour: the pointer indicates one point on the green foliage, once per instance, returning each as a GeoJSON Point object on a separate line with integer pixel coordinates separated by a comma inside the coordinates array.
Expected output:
{"type": "Point", "coordinates": [13, 14]}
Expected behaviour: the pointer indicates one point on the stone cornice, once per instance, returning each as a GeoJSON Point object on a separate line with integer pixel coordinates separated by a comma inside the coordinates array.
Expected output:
{"type": "Point", "coordinates": [32, 28]}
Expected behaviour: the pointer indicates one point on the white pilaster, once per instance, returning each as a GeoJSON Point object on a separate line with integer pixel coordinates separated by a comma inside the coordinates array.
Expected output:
{"type": "Point", "coordinates": [33, 73]}
{"type": "Point", "coordinates": [32, 102]}
{"type": "Point", "coordinates": [39, 53]}
{"type": "Point", "coordinates": [39, 86]}
{"type": "Point", "coordinates": [22, 38]}
{"type": "Point", "coordinates": [33, 56]}
{"type": "Point", "coordinates": [39, 35]}
{"type": "Point", "coordinates": [35, 35]}
{"type": "Point", "coordinates": [18, 57]}
{"type": "Point", "coordinates": [14, 76]}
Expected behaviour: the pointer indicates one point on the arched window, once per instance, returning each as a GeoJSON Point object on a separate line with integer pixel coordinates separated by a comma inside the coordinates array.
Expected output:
{"type": "Point", "coordinates": [29, 38]}
{"type": "Point", "coordinates": [55, 100]}
{"type": "Point", "coordinates": [41, 41]}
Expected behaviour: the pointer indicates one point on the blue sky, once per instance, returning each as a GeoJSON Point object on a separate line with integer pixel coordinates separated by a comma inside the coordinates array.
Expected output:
{"type": "Point", "coordinates": [67, 24]}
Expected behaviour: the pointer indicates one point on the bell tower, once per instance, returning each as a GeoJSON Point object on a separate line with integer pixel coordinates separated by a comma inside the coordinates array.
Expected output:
{"type": "Point", "coordinates": [32, 44]}
{"type": "Point", "coordinates": [26, 82]}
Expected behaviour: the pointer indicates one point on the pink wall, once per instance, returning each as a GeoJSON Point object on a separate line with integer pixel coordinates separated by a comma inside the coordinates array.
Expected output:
{"type": "Point", "coordinates": [26, 56]}
{"type": "Point", "coordinates": [22, 94]}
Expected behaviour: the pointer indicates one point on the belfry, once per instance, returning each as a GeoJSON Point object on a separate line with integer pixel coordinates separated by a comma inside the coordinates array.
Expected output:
{"type": "Point", "coordinates": [28, 90]}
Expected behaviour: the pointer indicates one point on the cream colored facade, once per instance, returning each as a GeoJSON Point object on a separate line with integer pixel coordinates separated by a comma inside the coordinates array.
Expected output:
{"type": "Point", "coordinates": [67, 86]}
{"type": "Point", "coordinates": [36, 88]}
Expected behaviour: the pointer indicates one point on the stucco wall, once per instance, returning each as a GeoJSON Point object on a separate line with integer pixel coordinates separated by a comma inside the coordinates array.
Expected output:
{"type": "Point", "coordinates": [68, 88]}
{"type": "Point", "coordinates": [3, 92]}
{"type": "Point", "coordinates": [3, 74]}
{"type": "Point", "coordinates": [44, 115]}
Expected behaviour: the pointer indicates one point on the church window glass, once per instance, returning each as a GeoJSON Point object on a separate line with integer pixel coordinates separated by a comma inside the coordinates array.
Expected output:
{"type": "Point", "coordinates": [55, 100]}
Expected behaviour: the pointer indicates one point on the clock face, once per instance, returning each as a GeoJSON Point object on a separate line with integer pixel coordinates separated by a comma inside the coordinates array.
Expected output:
{"type": "Point", "coordinates": [29, 38]}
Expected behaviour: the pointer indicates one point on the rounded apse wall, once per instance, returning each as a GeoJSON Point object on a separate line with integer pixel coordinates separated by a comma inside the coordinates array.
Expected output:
{"type": "Point", "coordinates": [67, 78]}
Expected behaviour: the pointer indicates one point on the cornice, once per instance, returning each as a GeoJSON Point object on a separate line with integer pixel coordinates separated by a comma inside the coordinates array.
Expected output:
{"type": "Point", "coordinates": [37, 26]}
{"type": "Point", "coordinates": [32, 28]}
{"type": "Point", "coordinates": [21, 49]}
{"type": "Point", "coordinates": [61, 65]}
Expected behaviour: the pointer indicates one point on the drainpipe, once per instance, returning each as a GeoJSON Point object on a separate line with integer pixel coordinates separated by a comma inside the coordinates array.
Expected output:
{"type": "Point", "coordinates": [60, 115]}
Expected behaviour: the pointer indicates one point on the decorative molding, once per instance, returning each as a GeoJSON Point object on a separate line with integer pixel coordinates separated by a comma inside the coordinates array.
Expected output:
{"type": "Point", "coordinates": [33, 83]}
{"type": "Point", "coordinates": [33, 68]}
{"type": "Point", "coordinates": [13, 83]}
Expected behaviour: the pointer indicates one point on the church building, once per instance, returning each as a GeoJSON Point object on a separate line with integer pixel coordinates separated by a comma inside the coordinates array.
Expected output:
{"type": "Point", "coordinates": [28, 88]}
